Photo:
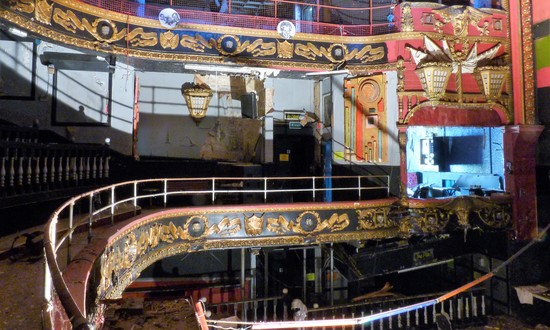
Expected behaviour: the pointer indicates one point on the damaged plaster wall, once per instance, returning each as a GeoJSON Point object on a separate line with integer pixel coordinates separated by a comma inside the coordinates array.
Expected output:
{"type": "Point", "coordinates": [167, 130]}
{"type": "Point", "coordinates": [232, 139]}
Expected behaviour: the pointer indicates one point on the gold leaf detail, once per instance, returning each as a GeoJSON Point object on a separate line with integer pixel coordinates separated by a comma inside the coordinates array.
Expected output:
{"type": "Point", "coordinates": [169, 40]}
{"type": "Point", "coordinates": [286, 49]}
{"type": "Point", "coordinates": [43, 13]}
{"type": "Point", "coordinates": [25, 6]}
{"type": "Point", "coordinates": [139, 38]}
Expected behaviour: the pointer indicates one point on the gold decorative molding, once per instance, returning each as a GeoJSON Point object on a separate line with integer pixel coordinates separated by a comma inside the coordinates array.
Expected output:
{"type": "Point", "coordinates": [308, 222]}
{"type": "Point", "coordinates": [460, 18]}
{"type": "Point", "coordinates": [407, 22]}
{"type": "Point", "coordinates": [434, 65]}
{"type": "Point", "coordinates": [254, 225]}
{"type": "Point", "coordinates": [366, 54]}
{"type": "Point", "coordinates": [78, 24]}
{"type": "Point", "coordinates": [168, 233]}
{"type": "Point", "coordinates": [169, 40]}
{"type": "Point", "coordinates": [495, 217]}
{"type": "Point", "coordinates": [24, 6]}
{"type": "Point", "coordinates": [43, 13]}
{"type": "Point", "coordinates": [528, 61]}
{"type": "Point", "coordinates": [147, 39]}
{"type": "Point", "coordinates": [400, 67]}
{"type": "Point", "coordinates": [504, 113]}
{"type": "Point", "coordinates": [285, 49]}
{"type": "Point", "coordinates": [428, 220]}
{"type": "Point", "coordinates": [376, 218]}
{"type": "Point", "coordinates": [492, 212]}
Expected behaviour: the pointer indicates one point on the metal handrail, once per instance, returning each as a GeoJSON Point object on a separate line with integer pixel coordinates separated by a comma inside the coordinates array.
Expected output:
{"type": "Point", "coordinates": [57, 234]}
{"type": "Point", "coordinates": [236, 19]}
{"type": "Point", "coordinates": [389, 300]}
{"type": "Point", "coordinates": [254, 305]}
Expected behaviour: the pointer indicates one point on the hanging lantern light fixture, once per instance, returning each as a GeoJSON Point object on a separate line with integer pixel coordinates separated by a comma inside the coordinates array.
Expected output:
{"type": "Point", "coordinates": [197, 97]}
{"type": "Point", "coordinates": [491, 79]}
{"type": "Point", "coordinates": [434, 78]}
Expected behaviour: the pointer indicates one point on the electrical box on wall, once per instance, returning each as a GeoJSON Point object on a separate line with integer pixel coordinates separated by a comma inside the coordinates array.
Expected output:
{"type": "Point", "coordinates": [427, 152]}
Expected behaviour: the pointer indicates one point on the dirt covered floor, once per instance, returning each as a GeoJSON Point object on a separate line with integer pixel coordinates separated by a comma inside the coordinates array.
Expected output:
{"type": "Point", "coordinates": [151, 314]}
{"type": "Point", "coordinates": [21, 306]}
{"type": "Point", "coordinates": [21, 303]}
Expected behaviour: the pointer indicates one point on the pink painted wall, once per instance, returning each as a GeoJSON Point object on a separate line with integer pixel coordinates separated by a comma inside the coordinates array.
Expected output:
{"type": "Point", "coordinates": [541, 11]}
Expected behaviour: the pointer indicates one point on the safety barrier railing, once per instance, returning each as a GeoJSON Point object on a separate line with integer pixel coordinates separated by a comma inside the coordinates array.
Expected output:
{"type": "Point", "coordinates": [86, 210]}
{"type": "Point", "coordinates": [465, 309]}
{"type": "Point", "coordinates": [365, 18]}
{"type": "Point", "coordinates": [260, 309]}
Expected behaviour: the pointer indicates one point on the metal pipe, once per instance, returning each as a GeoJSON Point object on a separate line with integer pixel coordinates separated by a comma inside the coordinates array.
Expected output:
{"type": "Point", "coordinates": [135, 198]}
{"type": "Point", "coordinates": [243, 279]}
{"type": "Point", "coordinates": [331, 275]}
{"type": "Point", "coordinates": [313, 185]}
{"type": "Point", "coordinates": [112, 205]}
{"type": "Point", "coordinates": [213, 190]}
{"type": "Point", "coordinates": [359, 187]}
{"type": "Point", "coordinates": [265, 190]}
{"type": "Point", "coordinates": [253, 279]}
{"type": "Point", "coordinates": [165, 196]}
{"type": "Point", "coordinates": [266, 273]}
{"type": "Point", "coordinates": [318, 269]}
{"type": "Point", "coordinates": [91, 215]}
{"type": "Point", "coordinates": [70, 238]}
{"type": "Point", "coordinates": [304, 280]}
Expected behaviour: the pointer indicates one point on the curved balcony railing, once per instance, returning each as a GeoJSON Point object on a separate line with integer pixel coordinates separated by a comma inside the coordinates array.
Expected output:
{"type": "Point", "coordinates": [364, 18]}
{"type": "Point", "coordinates": [81, 213]}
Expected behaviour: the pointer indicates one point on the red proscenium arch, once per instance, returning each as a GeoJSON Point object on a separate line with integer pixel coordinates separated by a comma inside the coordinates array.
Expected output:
{"type": "Point", "coordinates": [445, 116]}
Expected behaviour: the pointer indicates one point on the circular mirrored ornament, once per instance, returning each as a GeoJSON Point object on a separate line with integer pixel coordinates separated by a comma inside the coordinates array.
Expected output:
{"type": "Point", "coordinates": [169, 18]}
{"type": "Point", "coordinates": [286, 29]}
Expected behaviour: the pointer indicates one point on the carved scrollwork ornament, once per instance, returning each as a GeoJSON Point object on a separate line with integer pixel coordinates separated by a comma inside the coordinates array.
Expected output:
{"type": "Point", "coordinates": [43, 12]}
{"type": "Point", "coordinates": [307, 222]}
{"type": "Point", "coordinates": [279, 225]}
{"type": "Point", "coordinates": [370, 219]}
{"type": "Point", "coordinates": [169, 40]}
{"type": "Point", "coordinates": [429, 220]}
{"type": "Point", "coordinates": [254, 225]}
{"type": "Point", "coordinates": [285, 49]}
{"type": "Point", "coordinates": [228, 45]}
{"type": "Point", "coordinates": [105, 30]}
{"type": "Point", "coordinates": [495, 217]}
{"type": "Point", "coordinates": [25, 6]}
{"type": "Point", "coordinates": [337, 53]}
{"type": "Point", "coordinates": [460, 18]}
{"type": "Point", "coordinates": [400, 66]}
{"type": "Point", "coordinates": [231, 45]}
{"type": "Point", "coordinates": [131, 248]}
{"type": "Point", "coordinates": [407, 22]}
{"type": "Point", "coordinates": [196, 226]}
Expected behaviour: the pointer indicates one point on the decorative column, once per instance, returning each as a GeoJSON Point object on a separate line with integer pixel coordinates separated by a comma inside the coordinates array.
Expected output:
{"type": "Point", "coordinates": [520, 177]}
{"type": "Point", "coordinates": [520, 141]}
{"type": "Point", "coordinates": [521, 43]}
{"type": "Point", "coordinates": [402, 138]}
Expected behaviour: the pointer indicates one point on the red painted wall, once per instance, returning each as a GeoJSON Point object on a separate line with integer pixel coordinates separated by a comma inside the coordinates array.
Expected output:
{"type": "Point", "coordinates": [541, 10]}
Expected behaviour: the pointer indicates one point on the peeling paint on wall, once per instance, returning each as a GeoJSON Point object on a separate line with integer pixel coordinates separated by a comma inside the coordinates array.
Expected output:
{"type": "Point", "coordinates": [232, 139]}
